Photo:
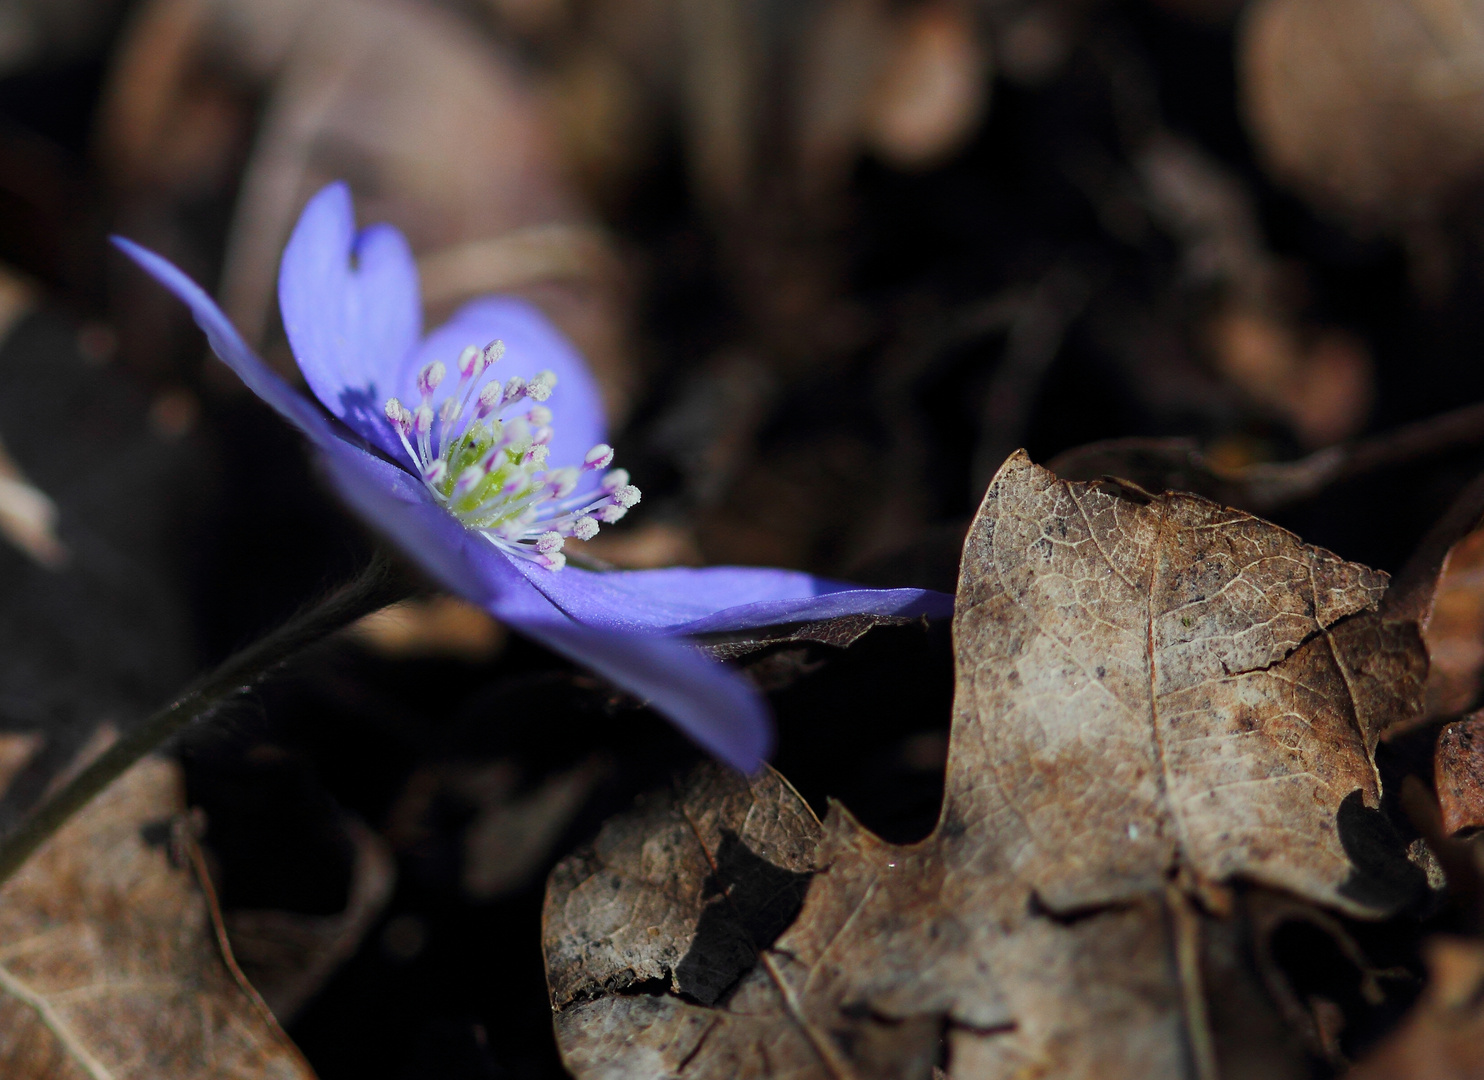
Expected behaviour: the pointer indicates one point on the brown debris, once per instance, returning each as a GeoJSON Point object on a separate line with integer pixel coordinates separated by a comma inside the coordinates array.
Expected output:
{"type": "Point", "coordinates": [1145, 687]}
{"type": "Point", "coordinates": [1460, 774]}
{"type": "Point", "coordinates": [112, 965]}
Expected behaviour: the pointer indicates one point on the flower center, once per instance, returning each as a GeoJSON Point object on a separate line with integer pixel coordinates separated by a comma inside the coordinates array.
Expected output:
{"type": "Point", "coordinates": [483, 454]}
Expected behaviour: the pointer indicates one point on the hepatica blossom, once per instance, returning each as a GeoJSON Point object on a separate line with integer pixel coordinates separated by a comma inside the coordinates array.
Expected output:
{"type": "Point", "coordinates": [480, 449]}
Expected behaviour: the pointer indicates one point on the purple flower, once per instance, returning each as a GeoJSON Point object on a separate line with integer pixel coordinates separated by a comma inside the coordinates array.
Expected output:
{"type": "Point", "coordinates": [481, 479]}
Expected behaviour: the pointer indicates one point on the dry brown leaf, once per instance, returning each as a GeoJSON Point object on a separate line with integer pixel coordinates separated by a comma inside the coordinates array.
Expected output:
{"type": "Point", "coordinates": [1155, 697]}
{"type": "Point", "coordinates": [110, 962]}
{"type": "Point", "coordinates": [1459, 774]}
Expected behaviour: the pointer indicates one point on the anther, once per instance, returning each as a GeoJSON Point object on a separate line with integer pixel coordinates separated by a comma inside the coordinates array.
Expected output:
{"type": "Point", "coordinates": [599, 457]}
{"type": "Point", "coordinates": [429, 378]}
{"type": "Point", "coordinates": [422, 419]}
{"type": "Point", "coordinates": [585, 528]}
{"type": "Point", "coordinates": [489, 398]}
{"type": "Point", "coordinates": [493, 351]}
{"type": "Point", "coordinates": [536, 456]}
{"type": "Point", "coordinates": [550, 542]}
{"type": "Point", "coordinates": [614, 480]}
{"type": "Point", "coordinates": [468, 480]}
{"type": "Point", "coordinates": [562, 481]}
{"type": "Point", "coordinates": [397, 413]}
{"type": "Point", "coordinates": [469, 361]}
{"type": "Point", "coordinates": [627, 496]}
{"type": "Point", "coordinates": [515, 389]}
{"type": "Point", "coordinates": [539, 415]}
{"type": "Point", "coordinates": [543, 435]}
{"type": "Point", "coordinates": [542, 385]}
{"type": "Point", "coordinates": [610, 513]}
{"type": "Point", "coordinates": [555, 561]}
{"type": "Point", "coordinates": [435, 472]}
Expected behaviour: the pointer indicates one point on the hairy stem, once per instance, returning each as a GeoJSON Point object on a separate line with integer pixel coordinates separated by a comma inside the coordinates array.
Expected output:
{"type": "Point", "coordinates": [373, 589]}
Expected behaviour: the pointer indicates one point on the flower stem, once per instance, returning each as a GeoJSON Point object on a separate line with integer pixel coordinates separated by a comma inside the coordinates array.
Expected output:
{"type": "Point", "coordinates": [376, 587]}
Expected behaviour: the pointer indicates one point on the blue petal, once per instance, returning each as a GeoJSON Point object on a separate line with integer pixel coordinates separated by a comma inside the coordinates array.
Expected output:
{"type": "Point", "coordinates": [715, 706]}
{"type": "Point", "coordinates": [352, 311]}
{"type": "Point", "coordinates": [712, 704]}
{"type": "Point", "coordinates": [683, 600]}
{"type": "Point", "coordinates": [228, 344]}
{"type": "Point", "coordinates": [532, 344]}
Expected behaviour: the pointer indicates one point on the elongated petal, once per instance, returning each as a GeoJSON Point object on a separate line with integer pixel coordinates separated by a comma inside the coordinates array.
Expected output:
{"type": "Point", "coordinates": [228, 344]}
{"type": "Point", "coordinates": [683, 600]}
{"type": "Point", "coordinates": [532, 345]}
{"type": "Point", "coordinates": [712, 704]}
{"type": "Point", "coordinates": [352, 311]}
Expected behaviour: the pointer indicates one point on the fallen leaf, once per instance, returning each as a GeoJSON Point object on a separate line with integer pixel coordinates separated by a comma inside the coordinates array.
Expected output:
{"type": "Point", "coordinates": [1156, 697]}
{"type": "Point", "coordinates": [1460, 774]}
{"type": "Point", "coordinates": [112, 963]}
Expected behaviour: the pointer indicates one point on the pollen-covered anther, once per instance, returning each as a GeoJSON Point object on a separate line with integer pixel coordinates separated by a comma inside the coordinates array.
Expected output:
{"type": "Point", "coordinates": [550, 542]}
{"type": "Point", "coordinates": [599, 457]}
{"type": "Point", "coordinates": [515, 389]}
{"type": "Point", "coordinates": [562, 481]}
{"type": "Point", "coordinates": [430, 378]}
{"type": "Point", "coordinates": [539, 415]}
{"type": "Point", "coordinates": [610, 513]}
{"type": "Point", "coordinates": [422, 419]}
{"type": "Point", "coordinates": [627, 496]}
{"type": "Point", "coordinates": [489, 399]}
{"type": "Point", "coordinates": [614, 480]}
{"type": "Point", "coordinates": [540, 388]}
{"type": "Point", "coordinates": [585, 528]}
{"type": "Point", "coordinates": [493, 351]}
{"type": "Point", "coordinates": [536, 456]}
{"type": "Point", "coordinates": [469, 479]}
{"type": "Point", "coordinates": [555, 561]}
{"type": "Point", "coordinates": [399, 415]}
{"type": "Point", "coordinates": [471, 362]}
{"type": "Point", "coordinates": [436, 471]}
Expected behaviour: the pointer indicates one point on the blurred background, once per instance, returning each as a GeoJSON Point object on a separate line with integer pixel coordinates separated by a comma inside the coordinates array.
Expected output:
{"type": "Point", "coordinates": [831, 260]}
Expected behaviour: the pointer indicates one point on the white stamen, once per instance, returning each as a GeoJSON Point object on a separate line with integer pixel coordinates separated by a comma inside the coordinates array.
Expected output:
{"type": "Point", "coordinates": [562, 482]}
{"type": "Point", "coordinates": [470, 361]}
{"type": "Point", "coordinates": [489, 399]}
{"type": "Point", "coordinates": [491, 473]}
{"type": "Point", "coordinates": [397, 413]}
{"type": "Point", "coordinates": [429, 378]}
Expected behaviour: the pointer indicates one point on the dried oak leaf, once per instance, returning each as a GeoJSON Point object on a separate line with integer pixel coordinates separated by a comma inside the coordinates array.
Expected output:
{"type": "Point", "coordinates": [110, 962]}
{"type": "Point", "coordinates": [1154, 697]}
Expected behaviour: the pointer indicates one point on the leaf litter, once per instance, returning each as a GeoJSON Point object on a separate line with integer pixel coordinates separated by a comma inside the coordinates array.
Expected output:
{"type": "Point", "coordinates": [113, 964]}
{"type": "Point", "coordinates": [1165, 711]}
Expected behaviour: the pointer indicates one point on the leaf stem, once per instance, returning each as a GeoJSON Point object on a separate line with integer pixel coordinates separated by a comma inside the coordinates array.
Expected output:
{"type": "Point", "coordinates": [376, 587]}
